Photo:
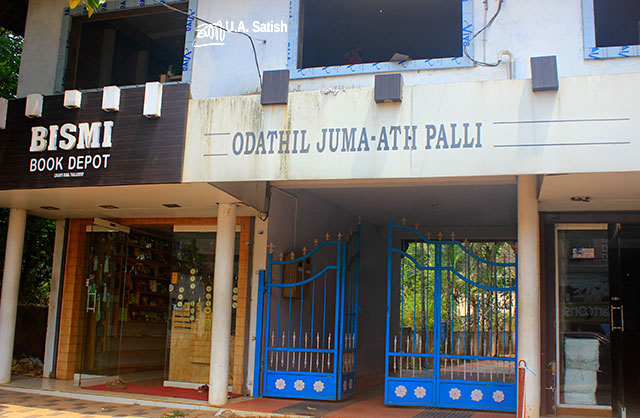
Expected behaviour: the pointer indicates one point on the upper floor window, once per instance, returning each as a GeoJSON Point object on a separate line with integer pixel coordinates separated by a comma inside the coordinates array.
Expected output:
{"type": "Point", "coordinates": [338, 37]}
{"type": "Point", "coordinates": [126, 47]}
{"type": "Point", "coordinates": [611, 28]}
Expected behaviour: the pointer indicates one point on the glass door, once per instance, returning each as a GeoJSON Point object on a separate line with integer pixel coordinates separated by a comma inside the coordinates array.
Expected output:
{"type": "Point", "coordinates": [625, 319]}
{"type": "Point", "coordinates": [583, 320]}
{"type": "Point", "coordinates": [106, 245]}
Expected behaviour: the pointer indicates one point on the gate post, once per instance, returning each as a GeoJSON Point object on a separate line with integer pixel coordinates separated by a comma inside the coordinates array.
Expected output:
{"type": "Point", "coordinates": [529, 289]}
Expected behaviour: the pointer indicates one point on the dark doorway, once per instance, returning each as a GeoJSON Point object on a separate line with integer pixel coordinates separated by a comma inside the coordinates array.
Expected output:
{"type": "Point", "coordinates": [625, 320]}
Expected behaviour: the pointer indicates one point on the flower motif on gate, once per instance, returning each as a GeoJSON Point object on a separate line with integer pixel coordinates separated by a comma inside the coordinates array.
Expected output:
{"type": "Point", "coordinates": [420, 392]}
{"type": "Point", "coordinates": [280, 384]}
{"type": "Point", "coordinates": [344, 385]}
{"type": "Point", "coordinates": [318, 386]}
{"type": "Point", "coordinates": [455, 394]}
{"type": "Point", "coordinates": [498, 396]}
{"type": "Point", "coordinates": [299, 385]}
{"type": "Point", "coordinates": [401, 391]}
{"type": "Point", "coordinates": [477, 395]}
{"type": "Point", "coordinates": [351, 384]}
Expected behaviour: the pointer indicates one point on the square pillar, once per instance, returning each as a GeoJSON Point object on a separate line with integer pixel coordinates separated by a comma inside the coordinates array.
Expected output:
{"type": "Point", "coordinates": [10, 287]}
{"type": "Point", "coordinates": [222, 300]}
{"type": "Point", "coordinates": [529, 290]}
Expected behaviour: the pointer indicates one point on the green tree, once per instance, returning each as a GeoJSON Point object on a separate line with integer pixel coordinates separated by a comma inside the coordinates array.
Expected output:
{"type": "Point", "coordinates": [10, 52]}
{"type": "Point", "coordinates": [40, 233]}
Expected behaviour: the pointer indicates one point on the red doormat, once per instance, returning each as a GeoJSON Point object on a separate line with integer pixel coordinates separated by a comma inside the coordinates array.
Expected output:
{"type": "Point", "coordinates": [156, 390]}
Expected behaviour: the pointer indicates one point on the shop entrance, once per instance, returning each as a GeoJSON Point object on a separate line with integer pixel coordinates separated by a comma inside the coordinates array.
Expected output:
{"type": "Point", "coordinates": [624, 281]}
{"type": "Point", "coordinates": [451, 323]}
{"type": "Point", "coordinates": [148, 307]}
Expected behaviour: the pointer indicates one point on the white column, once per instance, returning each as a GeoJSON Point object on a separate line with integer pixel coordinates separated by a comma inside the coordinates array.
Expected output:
{"type": "Point", "coordinates": [56, 277]}
{"type": "Point", "coordinates": [10, 286]}
{"type": "Point", "coordinates": [222, 299]}
{"type": "Point", "coordinates": [259, 262]}
{"type": "Point", "coordinates": [529, 289]}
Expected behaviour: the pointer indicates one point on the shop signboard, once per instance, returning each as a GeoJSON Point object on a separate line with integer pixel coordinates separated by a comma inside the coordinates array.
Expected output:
{"type": "Point", "coordinates": [91, 147]}
{"type": "Point", "coordinates": [498, 127]}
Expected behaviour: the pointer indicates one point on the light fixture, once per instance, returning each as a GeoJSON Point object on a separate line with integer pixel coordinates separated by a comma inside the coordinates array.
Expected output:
{"type": "Point", "coordinates": [49, 208]}
{"type": "Point", "coordinates": [171, 205]}
{"type": "Point", "coordinates": [585, 199]}
{"type": "Point", "coordinates": [109, 207]}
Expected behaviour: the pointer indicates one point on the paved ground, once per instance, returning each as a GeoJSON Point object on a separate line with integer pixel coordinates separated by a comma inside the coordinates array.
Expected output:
{"type": "Point", "coordinates": [23, 405]}
{"type": "Point", "coordinates": [26, 405]}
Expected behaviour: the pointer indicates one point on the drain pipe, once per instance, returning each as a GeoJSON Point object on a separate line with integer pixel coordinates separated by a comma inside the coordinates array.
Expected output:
{"type": "Point", "coordinates": [512, 63]}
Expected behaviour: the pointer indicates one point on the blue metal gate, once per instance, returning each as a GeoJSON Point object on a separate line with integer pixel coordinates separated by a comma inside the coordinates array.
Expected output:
{"type": "Point", "coordinates": [451, 322]}
{"type": "Point", "coordinates": [308, 308]}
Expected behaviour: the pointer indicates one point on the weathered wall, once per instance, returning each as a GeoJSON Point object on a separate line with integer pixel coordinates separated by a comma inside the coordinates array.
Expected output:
{"type": "Point", "coordinates": [439, 130]}
{"type": "Point", "coordinates": [527, 29]}
{"type": "Point", "coordinates": [39, 62]}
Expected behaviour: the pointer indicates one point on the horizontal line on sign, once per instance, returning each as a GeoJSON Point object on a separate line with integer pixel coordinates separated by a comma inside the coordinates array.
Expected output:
{"type": "Point", "coordinates": [515, 122]}
{"type": "Point", "coordinates": [562, 144]}
{"type": "Point", "coordinates": [214, 43]}
{"type": "Point", "coordinates": [214, 155]}
{"type": "Point", "coordinates": [218, 133]}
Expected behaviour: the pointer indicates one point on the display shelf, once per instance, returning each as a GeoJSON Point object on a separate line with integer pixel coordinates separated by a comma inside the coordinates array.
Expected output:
{"type": "Point", "coordinates": [151, 249]}
{"type": "Point", "coordinates": [155, 294]}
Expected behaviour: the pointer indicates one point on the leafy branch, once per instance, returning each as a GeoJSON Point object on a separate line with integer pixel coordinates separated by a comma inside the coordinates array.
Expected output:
{"type": "Point", "coordinates": [91, 5]}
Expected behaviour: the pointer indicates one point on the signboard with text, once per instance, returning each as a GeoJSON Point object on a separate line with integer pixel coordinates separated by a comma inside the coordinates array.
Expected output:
{"type": "Point", "coordinates": [91, 147]}
{"type": "Point", "coordinates": [498, 127]}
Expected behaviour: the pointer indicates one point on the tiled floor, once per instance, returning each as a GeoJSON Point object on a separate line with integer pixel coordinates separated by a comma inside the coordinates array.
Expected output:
{"type": "Point", "coordinates": [24, 405]}
{"type": "Point", "coordinates": [367, 403]}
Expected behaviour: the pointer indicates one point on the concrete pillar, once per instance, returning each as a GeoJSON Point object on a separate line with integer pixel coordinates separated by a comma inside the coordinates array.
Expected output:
{"type": "Point", "coordinates": [10, 286]}
{"type": "Point", "coordinates": [259, 262]}
{"type": "Point", "coordinates": [54, 289]}
{"type": "Point", "coordinates": [529, 289]}
{"type": "Point", "coordinates": [222, 299]}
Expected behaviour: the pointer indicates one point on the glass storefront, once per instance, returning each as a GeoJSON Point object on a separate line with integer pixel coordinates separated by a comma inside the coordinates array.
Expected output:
{"type": "Point", "coordinates": [584, 364]}
{"type": "Point", "coordinates": [148, 303]}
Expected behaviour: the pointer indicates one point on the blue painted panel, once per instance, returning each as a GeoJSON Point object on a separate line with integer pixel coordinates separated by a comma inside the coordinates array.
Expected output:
{"type": "Point", "coordinates": [348, 386]}
{"type": "Point", "coordinates": [478, 395]}
{"type": "Point", "coordinates": [409, 392]}
{"type": "Point", "coordinates": [300, 385]}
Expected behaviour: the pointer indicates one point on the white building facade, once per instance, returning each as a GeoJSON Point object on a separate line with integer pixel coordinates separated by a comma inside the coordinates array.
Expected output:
{"type": "Point", "coordinates": [504, 130]}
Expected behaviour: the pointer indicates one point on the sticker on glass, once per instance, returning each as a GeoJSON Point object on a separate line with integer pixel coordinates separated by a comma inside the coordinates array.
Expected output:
{"type": "Point", "coordinates": [192, 285]}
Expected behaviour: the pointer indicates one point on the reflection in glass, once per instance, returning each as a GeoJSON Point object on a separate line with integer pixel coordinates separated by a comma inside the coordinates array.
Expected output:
{"type": "Point", "coordinates": [583, 317]}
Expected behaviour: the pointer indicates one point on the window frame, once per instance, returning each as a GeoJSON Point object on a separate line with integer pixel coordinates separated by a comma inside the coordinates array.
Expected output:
{"type": "Point", "coordinates": [123, 5]}
{"type": "Point", "coordinates": [591, 51]}
{"type": "Point", "coordinates": [294, 45]}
